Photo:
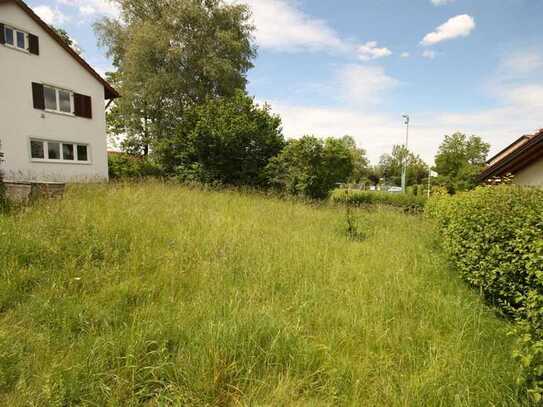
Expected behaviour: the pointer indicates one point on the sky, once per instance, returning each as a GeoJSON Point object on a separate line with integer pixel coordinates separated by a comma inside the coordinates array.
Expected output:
{"type": "Point", "coordinates": [331, 68]}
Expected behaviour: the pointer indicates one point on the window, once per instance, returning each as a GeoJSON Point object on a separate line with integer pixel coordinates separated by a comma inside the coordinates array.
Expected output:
{"type": "Point", "coordinates": [21, 39]}
{"type": "Point", "coordinates": [82, 154]}
{"type": "Point", "coordinates": [68, 152]}
{"type": "Point", "coordinates": [53, 151]}
{"type": "Point", "coordinates": [57, 151]}
{"type": "Point", "coordinates": [58, 100]}
{"type": "Point", "coordinates": [15, 38]}
{"type": "Point", "coordinates": [65, 101]}
{"type": "Point", "coordinates": [50, 95]}
{"type": "Point", "coordinates": [9, 36]}
{"type": "Point", "coordinates": [36, 148]}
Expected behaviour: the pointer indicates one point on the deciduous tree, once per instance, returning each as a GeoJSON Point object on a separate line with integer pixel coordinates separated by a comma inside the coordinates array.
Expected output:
{"type": "Point", "coordinates": [460, 160]}
{"type": "Point", "coordinates": [226, 140]}
{"type": "Point", "coordinates": [169, 55]}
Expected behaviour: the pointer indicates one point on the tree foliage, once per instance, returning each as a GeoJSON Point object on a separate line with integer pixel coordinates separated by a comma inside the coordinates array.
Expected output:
{"type": "Point", "coordinates": [68, 39]}
{"type": "Point", "coordinates": [226, 140]}
{"type": "Point", "coordinates": [312, 167]}
{"type": "Point", "coordinates": [459, 161]}
{"type": "Point", "coordinates": [170, 55]}
{"type": "Point", "coordinates": [360, 161]}
{"type": "Point", "coordinates": [391, 165]}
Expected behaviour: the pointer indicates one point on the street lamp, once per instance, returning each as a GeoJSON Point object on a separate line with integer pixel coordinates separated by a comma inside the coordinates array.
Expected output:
{"type": "Point", "coordinates": [404, 169]}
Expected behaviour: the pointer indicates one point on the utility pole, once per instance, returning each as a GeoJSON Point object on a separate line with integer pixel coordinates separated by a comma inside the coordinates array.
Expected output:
{"type": "Point", "coordinates": [404, 169]}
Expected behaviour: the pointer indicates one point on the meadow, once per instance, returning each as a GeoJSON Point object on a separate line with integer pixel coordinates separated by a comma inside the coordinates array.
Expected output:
{"type": "Point", "coordinates": [154, 295]}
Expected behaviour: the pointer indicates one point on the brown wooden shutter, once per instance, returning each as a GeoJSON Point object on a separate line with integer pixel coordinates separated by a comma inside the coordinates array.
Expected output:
{"type": "Point", "coordinates": [33, 44]}
{"type": "Point", "coordinates": [82, 106]}
{"type": "Point", "coordinates": [38, 96]}
{"type": "Point", "coordinates": [2, 37]}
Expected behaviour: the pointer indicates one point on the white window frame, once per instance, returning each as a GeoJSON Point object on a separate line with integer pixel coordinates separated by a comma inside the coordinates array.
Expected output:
{"type": "Point", "coordinates": [14, 45]}
{"type": "Point", "coordinates": [57, 99]}
{"type": "Point", "coordinates": [46, 158]}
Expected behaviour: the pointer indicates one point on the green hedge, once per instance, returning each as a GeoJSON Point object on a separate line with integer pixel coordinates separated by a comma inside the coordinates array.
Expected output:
{"type": "Point", "coordinates": [359, 198]}
{"type": "Point", "coordinates": [122, 165]}
{"type": "Point", "coordinates": [3, 197]}
{"type": "Point", "coordinates": [494, 238]}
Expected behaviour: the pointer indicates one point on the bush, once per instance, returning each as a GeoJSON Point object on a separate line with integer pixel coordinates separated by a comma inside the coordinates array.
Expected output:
{"type": "Point", "coordinates": [311, 167]}
{"type": "Point", "coordinates": [405, 201]}
{"type": "Point", "coordinates": [3, 198]}
{"type": "Point", "coordinates": [494, 237]}
{"type": "Point", "coordinates": [226, 141]}
{"type": "Point", "coordinates": [122, 165]}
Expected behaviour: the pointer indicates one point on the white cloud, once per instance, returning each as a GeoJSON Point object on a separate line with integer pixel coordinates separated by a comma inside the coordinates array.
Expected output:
{"type": "Point", "coordinates": [49, 15]}
{"type": "Point", "coordinates": [518, 79]}
{"type": "Point", "coordinates": [87, 10]}
{"type": "Point", "coordinates": [519, 111]}
{"type": "Point", "coordinates": [364, 85]}
{"type": "Point", "coordinates": [370, 50]}
{"type": "Point", "coordinates": [94, 7]}
{"type": "Point", "coordinates": [459, 26]}
{"type": "Point", "coordinates": [379, 132]}
{"type": "Point", "coordinates": [429, 54]}
{"type": "Point", "coordinates": [521, 63]}
{"type": "Point", "coordinates": [442, 2]}
{"type": "Point", "coordinates": [404, 55]}
{"type": "Point", "coordinates": [281, 25]}
{"type": "Point", "coordinates": [530, 96]}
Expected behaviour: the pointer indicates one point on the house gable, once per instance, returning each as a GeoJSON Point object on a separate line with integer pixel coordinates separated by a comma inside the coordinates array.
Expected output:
{"type": "Point", "coordinates": [109, 91]}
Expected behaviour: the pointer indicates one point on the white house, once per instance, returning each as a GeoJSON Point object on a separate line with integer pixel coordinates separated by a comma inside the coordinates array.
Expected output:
{"type": "Point", "coordinates": [52, 104]}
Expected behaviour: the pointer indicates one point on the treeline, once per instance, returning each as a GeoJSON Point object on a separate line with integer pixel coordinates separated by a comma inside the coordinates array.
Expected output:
{"type": "Point", "coordinates": [181, 68]}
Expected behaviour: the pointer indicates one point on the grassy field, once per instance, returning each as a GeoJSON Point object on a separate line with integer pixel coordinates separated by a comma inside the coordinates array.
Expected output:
{"type": "Point", "coordinates": [160, 295]}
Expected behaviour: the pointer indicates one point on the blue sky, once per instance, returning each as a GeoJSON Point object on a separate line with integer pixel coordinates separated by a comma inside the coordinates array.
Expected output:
{"type": "Point", "coordinates": [339, 67]}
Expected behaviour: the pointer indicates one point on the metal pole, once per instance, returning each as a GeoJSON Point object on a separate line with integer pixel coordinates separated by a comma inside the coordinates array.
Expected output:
{"type": "Point", "coordinates": [404, 169]}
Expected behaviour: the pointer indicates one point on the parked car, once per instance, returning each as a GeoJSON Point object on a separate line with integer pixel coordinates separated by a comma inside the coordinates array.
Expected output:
{"type": "Point", "coordinates": [395, 190]}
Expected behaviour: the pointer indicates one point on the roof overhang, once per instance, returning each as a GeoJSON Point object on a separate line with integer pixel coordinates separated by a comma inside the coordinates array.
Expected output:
{"type": "Point", "coordinates": [517, 160]}
{"type": "Point", "coordinates": [109, 91]}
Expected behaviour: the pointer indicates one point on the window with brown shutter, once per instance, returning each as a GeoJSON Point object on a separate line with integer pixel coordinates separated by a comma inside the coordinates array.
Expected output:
{"type": "Point", "coordinates": [33, 44]}
{"type": "Point", "coordinates": [2, 37]}
{"type": "Point", "coordinates": [38, 96]}
{"type": "Point", "coordinates": [82, 106]}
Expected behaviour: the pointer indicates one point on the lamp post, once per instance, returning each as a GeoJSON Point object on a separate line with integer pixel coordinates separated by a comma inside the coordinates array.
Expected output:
{"type": "Point", "coordinates": [404, 169]}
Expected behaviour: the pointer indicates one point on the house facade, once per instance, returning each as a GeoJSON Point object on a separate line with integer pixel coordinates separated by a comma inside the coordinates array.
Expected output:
{"type": "Point", "coordinates": [523, 159]}
{"type": "Point", "coordinates": [52, 104]}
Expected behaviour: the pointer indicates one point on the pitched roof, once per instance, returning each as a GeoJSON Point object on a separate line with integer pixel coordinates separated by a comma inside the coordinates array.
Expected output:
{"type": "Point", "coordinates": [515, 157]}
{"type": "Point", "coordinates": [109, 91]}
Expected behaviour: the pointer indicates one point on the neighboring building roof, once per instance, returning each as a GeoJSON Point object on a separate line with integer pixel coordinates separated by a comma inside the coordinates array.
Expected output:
{"type": "Point", "coordinates": [509, 149]}
{"type": "Point", "coordinates": [515, 157]}
{"type": "Point", "coordinates": [109, 91]}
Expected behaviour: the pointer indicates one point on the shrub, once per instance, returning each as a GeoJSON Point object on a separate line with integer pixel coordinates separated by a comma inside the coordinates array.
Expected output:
{"type": "Point", "coordinates": [494, 237]}
{"type": "Point", "coordinates": [3, 198]}
{"type": "Point", "coordinates": [357, 198]}
{"type": "Point", "coordinates": [225, 140]}
{"type": "Point", "coordinates": [311, 167]}
{"type": "Point", "coordinates": [122, 165]}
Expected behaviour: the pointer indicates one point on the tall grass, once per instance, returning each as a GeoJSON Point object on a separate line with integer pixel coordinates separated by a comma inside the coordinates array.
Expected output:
{"type": "Point", "coordinates": [160, 295]}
